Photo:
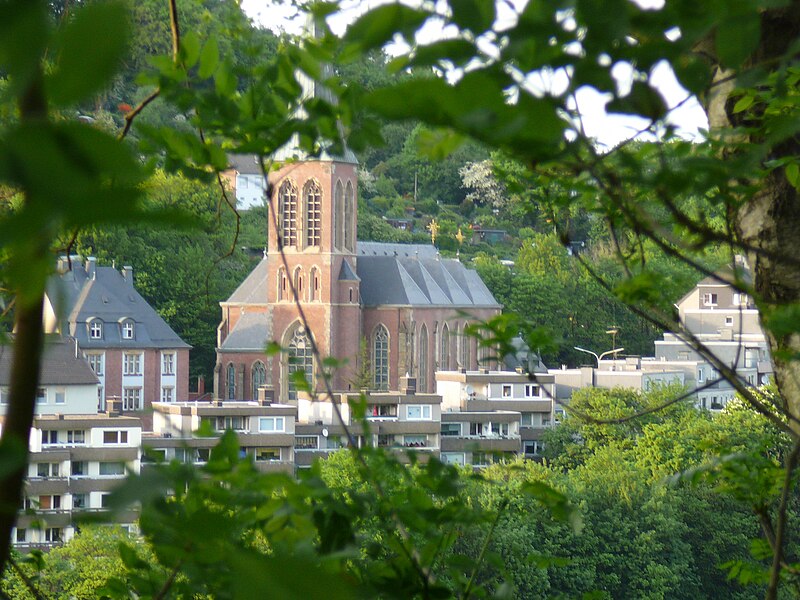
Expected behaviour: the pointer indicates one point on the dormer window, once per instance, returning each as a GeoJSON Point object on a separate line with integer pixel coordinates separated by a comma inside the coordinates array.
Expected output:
{"type": "Point", "coordinates": [96, 330]}
{"type": "Point", "coordinates": [128, 330]}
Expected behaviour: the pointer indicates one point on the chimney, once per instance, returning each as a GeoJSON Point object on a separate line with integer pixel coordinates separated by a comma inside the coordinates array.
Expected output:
{"type": "Point", "coordinates": [408, 385]}
{"type": "Point", "coordinates": [201, 385]}
{"type": "Point", "coordinates": [217, 402]}
{"type": "Point", "coordinates": [127, 273]}
{"type": "Point", "coordinates": [91, 267]}
{"type": "Point", "coordinates": [114, 406]}
{"type": "Point", "coordinates": [266, 395]}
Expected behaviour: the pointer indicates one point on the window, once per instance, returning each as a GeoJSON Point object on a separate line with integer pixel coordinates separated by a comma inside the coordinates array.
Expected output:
{"type": "Point", "coordinates": [101, 399]}
{"type": "Point", "coordinates": [453, 458]}
{"type": "Point", "coordinates": [132, 398]}
{"type": "Point", "coordinates": [115, 437]}
{"type": "Point", "coordinates": [76, 436]}
{"type": "Point", "coordinates": [381, 411]}
{"type": "Point", "coordinates": [96, 363]}
{"type": "Point", "coordinates": [380, 358]}
{"type": "Point", "coordinates": [464, 348]}
{"type": "Point", "coordinates": [41, 396]}
{"type": "Point", "coordinates": [3, 395]}
{"type": "Point", "coordinates": [60, 396]}
{"type": "Point", "coordinates": [112, 468]}
{"type": "Point", "coordinates": [528, 419]}
{"type": "Point", "coordinates": [80, 501]}
{"type": "Point", "coordinates": [349, 220]}
{"type": "Point", "coordinates": [739, 298]}
{"type": "Point", "coordinates": [52, 534]}
{"type": "Point", "coordinates": [167, 394]}
{"type": "Point", "coordinates": [422, 378]}
{"type": "Point", "coordinates": [338, 213]}
{"type": "Point", "coordinates": [21, 536]}
{"type": "Point", "coordinates": [168, 363]}
{"type": "Point", "coordinates": [500, 429]}
{"type": "Point", "coordinates": [444, 356]}
{"type": "Point", "coordinates": [132, 363]}
{"type": "Point", "coordinates": [258, 378]}
{"type": "Point", "coordinates": [96, 329]}
{"type": "Point", "coordinates": [128, 330]}
{"type": "Point", "coordinates": [49, 502]}
{"type": "Point", "coordinates": [532, 390]}
{"type": "Point", "coordinates": [506, 391]}
{"type": "Point", "coordinates": [287, 206]}
{"type": "Point", "coordinates": [300, 360]}
{"type": "Point", "coordinates": [79, 468]}
{"type": "Point", "coordinates": [49, 436]}
{"type": "Point", "coordinates": [532, 447]}
{"type": "Point", "coordinates": [451, 429]}
{"type": "Point", "coordinates": [415, 441]}
{"type": "Point", "coordinates": [105, 500]}
{"type": "Point", "coordinates": [236, 423]}
{"type": "Point", "coordinates": [306, 442]}
{"type": "Point", "coordinates": [418, 412]}
{"type": "Point", "coordinates": [314, 285]}
{"type": "Point", "coordinates": [728, 320]}
{"type": "Point", "coordinates": [283, 285]}
{"type": "Point", "coordinates": [701, 375]}
{"type": "Point", "coordinates": [202, 455]}
{"type": "Point", "coordinates": [48, 470]}
{"type": "Point", "coordinates": [709, 299]}
{"type": "Point", "coordinates": [478, 429]}
{"type": "Point", "coordinates": [313, 201]}
{"type": "Point", "coordinates": [271, 424]}
{"type": "Point", "coordinates": [230, 376]}
{"type": "Point", "coordinates": [268, 454]}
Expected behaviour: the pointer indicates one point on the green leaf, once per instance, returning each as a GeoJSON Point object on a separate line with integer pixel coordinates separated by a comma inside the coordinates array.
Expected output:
{"type": "Point", "coordinates": [224, 80]}
{"type": "Point", "coordinates": [784, 320]}
{"type": "Point", "coordinates": [438, 144]}
{"type": "Point", "coordinates": [190, 49]}
{"type": "Point", "coordinates": [642, 100]}
{"type": "Point", "coordinates": [24, 32]}
{"type": "Point", "coordinates": [475, 15]}
{"type": "Point", "coordinates": [737, 38]}
{"type": "Point", "coordinates": [743, 103]}
{"type": "Point", "coordinates": [379, 26]}
{"type": "Point", "coordinates": [458, 51]}
{"type": "Point", "coordinates": [792, 172]}
{"type": "Point", "coordinates": [209, 58]}
{"type": "Point", "coordinates": [89, 50]}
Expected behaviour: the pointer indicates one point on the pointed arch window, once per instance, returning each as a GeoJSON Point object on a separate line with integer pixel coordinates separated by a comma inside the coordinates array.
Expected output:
{"type": "Point", "coordinates": [444, 354]}
{"type": "Point", "coordinates": [314, 284]}
{"type": "Point", "coordinates": [338, 215]}
{"type": "Point", "coordinates": [299, 283]}
{"type": "Point", "coordinates": [300, 358]}
{"type": "Point", "coordinates": [283, 285]}
{"type": "Point", "coordinates": [380, 358]}
{"type": "Point", "coordinates": [312, 195]}
{"type": "Point", "coordinates": [258, 377]}
{"type": "Point", "coordinates": [230, 380]}
{"type": "Point", "coordinates": [466, 356]}
{"type": "Point", "coordinates": [422, 378]}
{"type": "Point", "coordinates": [349, 220]}
{"type": "Point", "coordinates": [287, 203]}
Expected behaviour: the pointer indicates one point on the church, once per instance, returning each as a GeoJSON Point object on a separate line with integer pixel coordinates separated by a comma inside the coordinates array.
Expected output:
{"type": "Point", "coordinates": [385, 311]}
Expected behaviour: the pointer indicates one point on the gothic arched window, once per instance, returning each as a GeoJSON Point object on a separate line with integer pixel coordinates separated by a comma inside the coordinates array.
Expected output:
{"type": "Point", "coordinates": [338, 215]}
{"type": "Point", "coordinates": [299, 284]}
{"type": "Point", "coordinates": [287, 203]}
{"type": "Point", "coordinates": [283, 285]}
{"type": "Point", "coordinates": [422, 378]}
{"type": "Point", "coordinates": [380, 358]}
{"type": "Point", "coordinates": [300, 358]}
{"type": "Point", "coordinates": [466, 355]}
{"type": "Point", "coordinates": [444, 354]}
{"type": "Point", "coordinates": [312, 195]}
{"type": "Point", "coordinates": [349, 220]}
{"type": "Point", "coordinates": [258, 377]}
{"type": "Point", "coordinates": [230, 380]}
{"type": "Point", "coordinates": [314, 284]}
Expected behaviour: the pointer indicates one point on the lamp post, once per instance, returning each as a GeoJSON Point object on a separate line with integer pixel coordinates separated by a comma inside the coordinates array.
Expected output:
{"type": "Point", "coordinates": [600, 357]}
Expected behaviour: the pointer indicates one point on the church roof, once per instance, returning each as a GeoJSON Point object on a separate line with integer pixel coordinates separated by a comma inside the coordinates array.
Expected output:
{"type": "Point", "coordinates": [251, 332]}
{"type": "Point", "coordinates": [414, 275]}
{"type": "Point", "coordinates": [253, 290]}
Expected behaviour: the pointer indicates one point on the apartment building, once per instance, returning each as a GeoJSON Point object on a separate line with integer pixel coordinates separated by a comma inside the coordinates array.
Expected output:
{"type": "Point", "coordinates": [494, 415]}
{"type": "Point", "coordinates": [266, 431]}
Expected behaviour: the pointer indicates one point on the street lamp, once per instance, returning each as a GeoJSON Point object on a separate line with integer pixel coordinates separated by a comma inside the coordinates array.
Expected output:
{"type": "Point", "coordinates": [600, 357]}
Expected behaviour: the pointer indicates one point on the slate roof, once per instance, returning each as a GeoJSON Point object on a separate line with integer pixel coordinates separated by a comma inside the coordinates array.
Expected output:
{"type": "Point", "coordinates": [253, 290]}
{"type": "Point", "coordinates": [414, 275]}
{"type": "Point", "coordinates": [60, 365]}
{"type": "Point", "coordinates": [251, 333]}
{"type": "Point", "coordinates": [79, 298]}
{"type": "Point", "coordinates": [246, 164]}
